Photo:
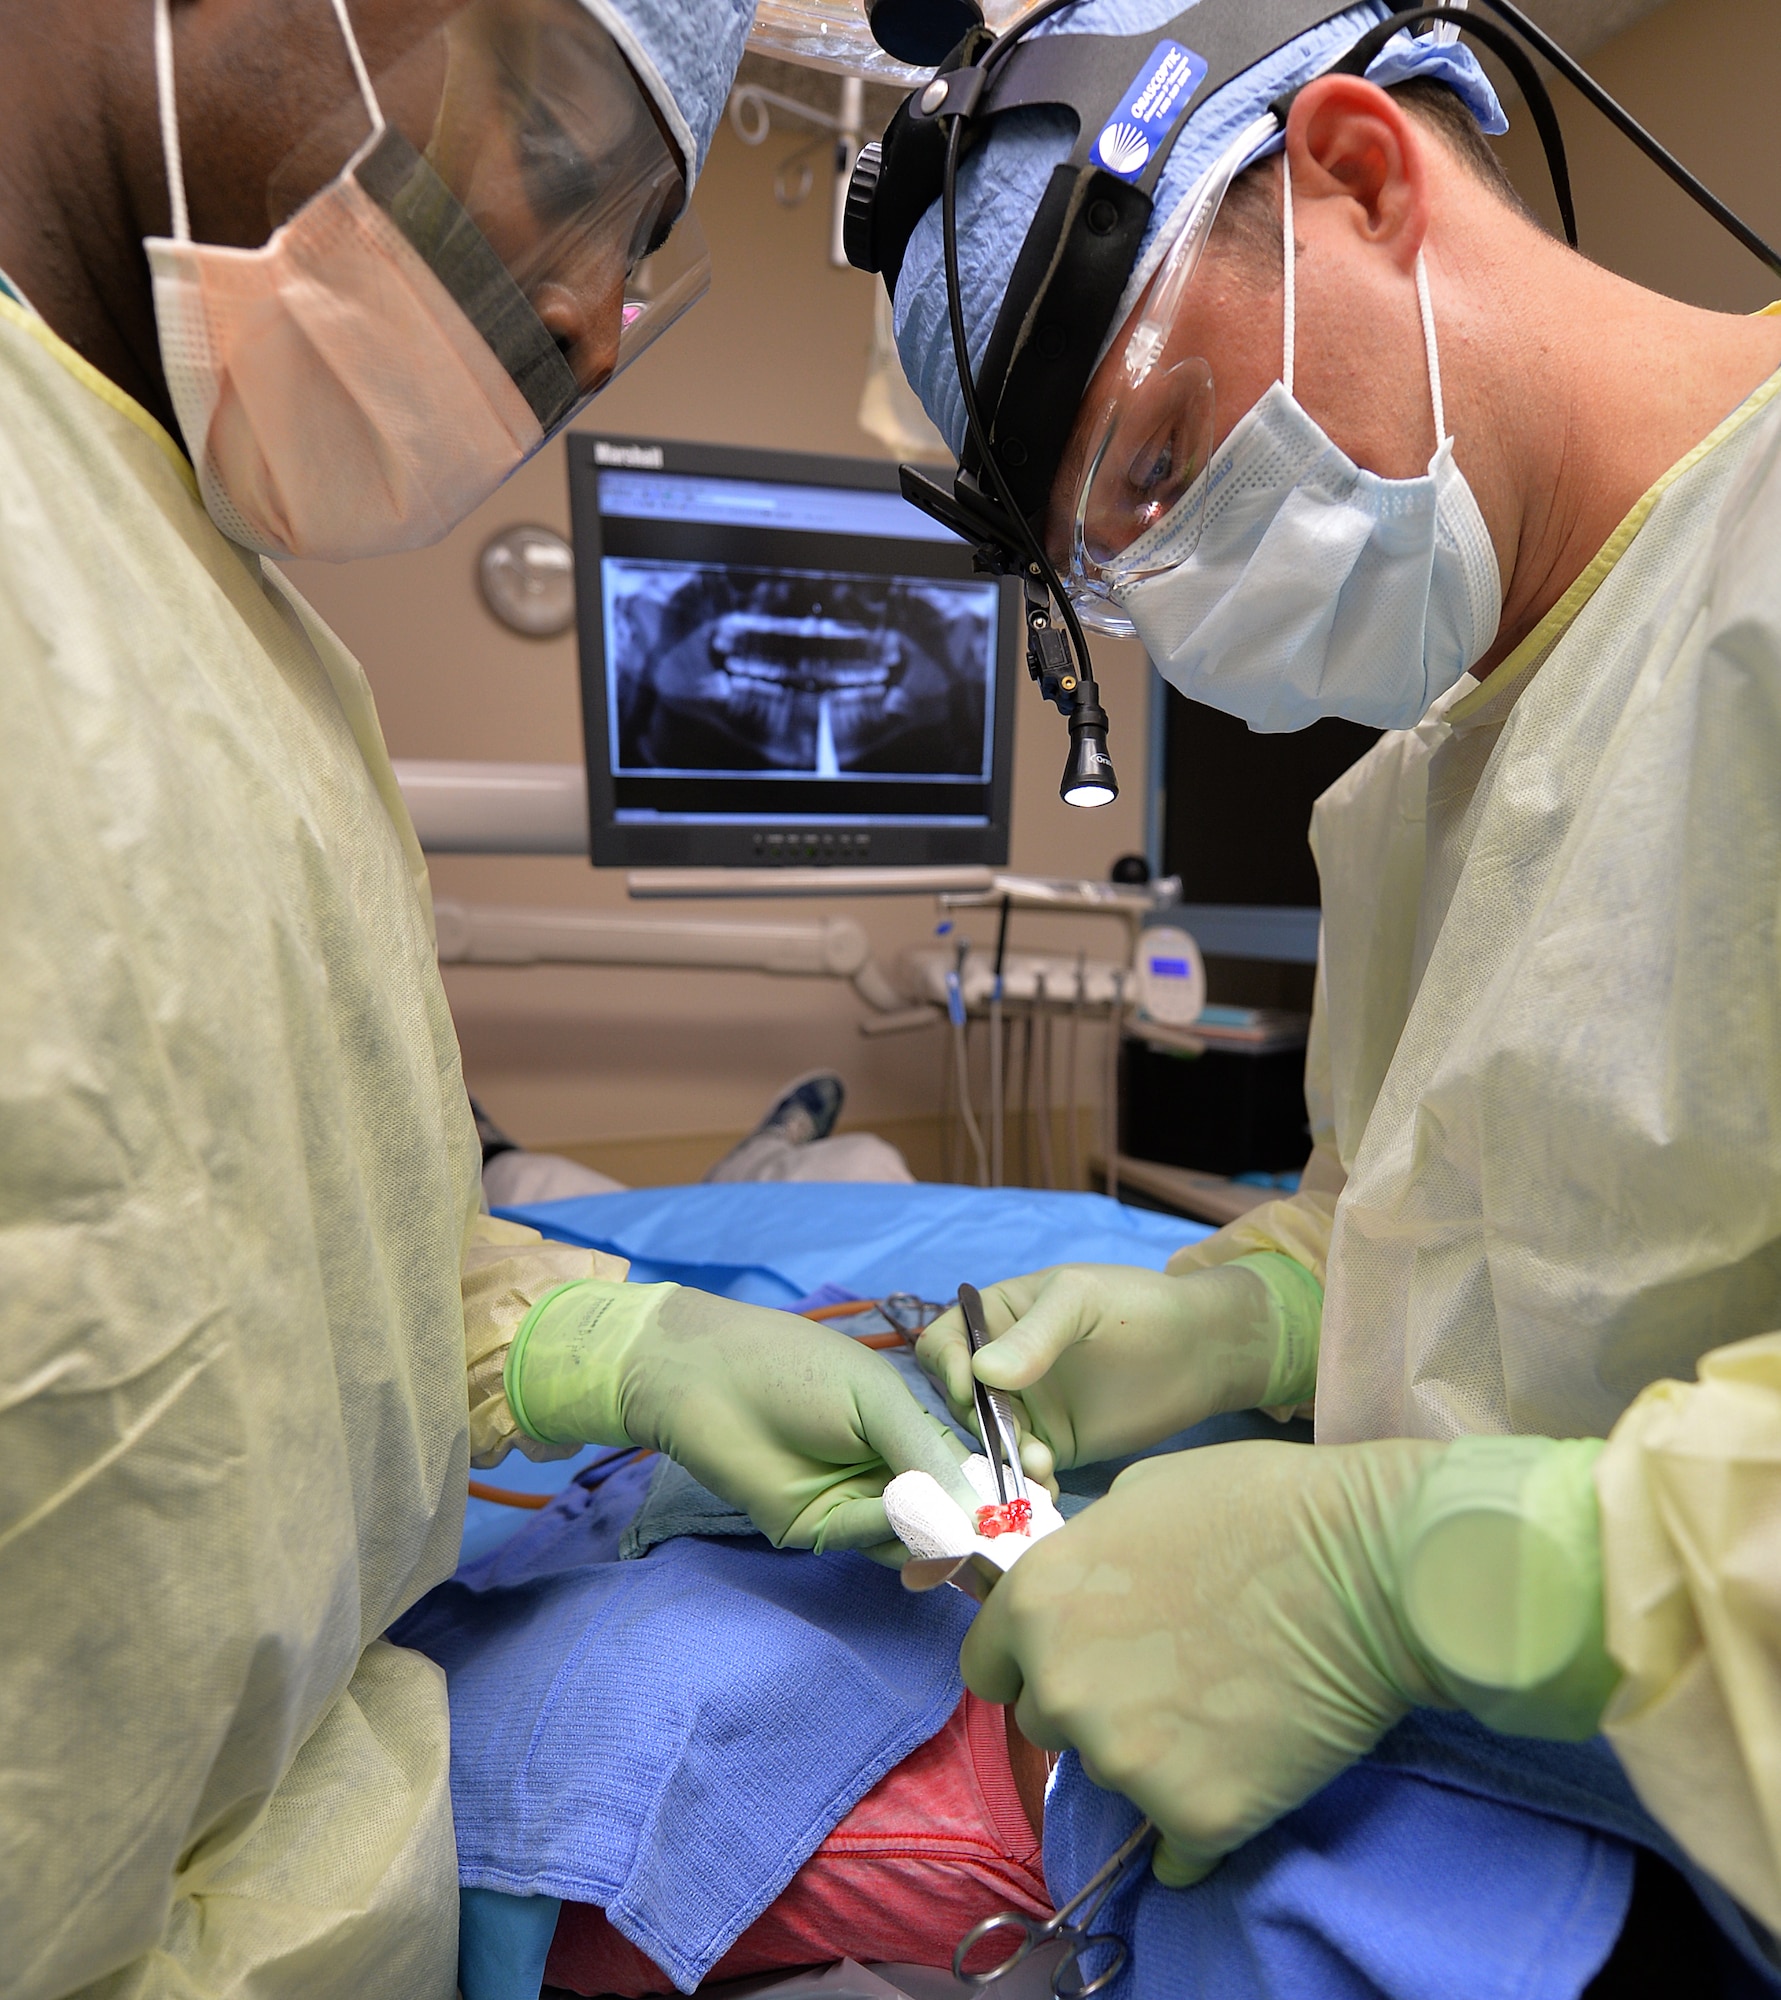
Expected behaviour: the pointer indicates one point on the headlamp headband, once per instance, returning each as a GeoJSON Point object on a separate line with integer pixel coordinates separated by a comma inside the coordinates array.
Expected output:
{"type": "Point", "coordinates": [1130, 96]}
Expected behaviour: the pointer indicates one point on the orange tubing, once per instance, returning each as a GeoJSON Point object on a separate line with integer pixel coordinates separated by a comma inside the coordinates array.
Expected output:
{"type": "Point", "coordinates": [881, 1342]}
{"type": "Point", "coordinates": [502, 1498]}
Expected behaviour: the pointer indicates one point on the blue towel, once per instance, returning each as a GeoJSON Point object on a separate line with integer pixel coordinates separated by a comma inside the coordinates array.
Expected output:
{"type": "Point", "coordinates": [671, 1739]}
{"type": "Point", "coordinates": [775, 1242]}
{"type": "Point", "coordinates": [1452, 1861]}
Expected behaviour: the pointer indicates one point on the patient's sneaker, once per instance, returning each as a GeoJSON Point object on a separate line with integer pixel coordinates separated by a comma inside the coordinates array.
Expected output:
{"type": "Point", "coordinates": [495, 1142]}
{"type": "Point", "coordinates": [514, 1178]}
{"type": "Point", "coordinates": [803, 1112]}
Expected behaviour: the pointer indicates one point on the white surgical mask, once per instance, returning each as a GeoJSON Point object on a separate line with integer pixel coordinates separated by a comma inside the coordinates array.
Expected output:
{"type": "Point", "coordinates": [1317, 588]}
{"type": "Point", "coordinates": [335, 399]}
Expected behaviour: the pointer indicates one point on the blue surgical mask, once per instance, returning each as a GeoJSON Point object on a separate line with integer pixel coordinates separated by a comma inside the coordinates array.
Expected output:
{"type": "Point", "coordinates": [1316, 588]}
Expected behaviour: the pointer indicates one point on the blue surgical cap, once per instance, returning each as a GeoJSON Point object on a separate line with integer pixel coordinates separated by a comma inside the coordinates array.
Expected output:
{"type": "Point", "coordinates": [1001, 184]}
{"type": "Point", "coordinates": [686, 54]}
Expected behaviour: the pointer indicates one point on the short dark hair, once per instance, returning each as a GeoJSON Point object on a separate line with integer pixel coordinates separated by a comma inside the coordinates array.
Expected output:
{"type": "Point", "coordinates": [1251, 214]}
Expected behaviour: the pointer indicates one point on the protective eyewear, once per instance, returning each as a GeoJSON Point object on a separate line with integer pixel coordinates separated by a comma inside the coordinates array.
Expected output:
{"type": "Point", "coordinates": [518, 153]}
{"type": "Point", "coordinates": [1140, 498]}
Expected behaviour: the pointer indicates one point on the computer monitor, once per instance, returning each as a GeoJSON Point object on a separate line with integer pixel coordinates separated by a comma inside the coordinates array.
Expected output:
{"type": "Point", "coordinates": [1235, 827]}
{"type": "Point", "coordinates": [784, 663]}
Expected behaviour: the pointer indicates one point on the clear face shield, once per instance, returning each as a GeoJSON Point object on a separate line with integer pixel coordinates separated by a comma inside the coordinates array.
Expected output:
{"type": "Point", "coordinates": [516, 151]}
{"type": "Point", "coordinates": [1145, 434]}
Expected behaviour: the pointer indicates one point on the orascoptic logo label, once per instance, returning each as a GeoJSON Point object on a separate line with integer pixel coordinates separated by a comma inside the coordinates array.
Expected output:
{"type": "Point", "coordinates": [1145, 116]}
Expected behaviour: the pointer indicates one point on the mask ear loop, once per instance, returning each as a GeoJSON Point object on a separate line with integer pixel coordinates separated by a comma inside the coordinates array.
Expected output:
{"type": "Point", "coordinates": [1442, 435]}
{"type": "Point", "coordinates": [1425, 307]}
{"type": "Point", "coordinates": [168, 108]}
{"type": "Point", "coordinates": [176, 179]}
{"type": "Point", "coordinates": [373, 110]}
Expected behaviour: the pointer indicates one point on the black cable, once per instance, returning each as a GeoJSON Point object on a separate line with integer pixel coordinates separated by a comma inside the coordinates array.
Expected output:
{"type": "Point", "coordinates": [1520, 65]}
{"type": "Point", "coordinates": [1545, 117]}
{"type": "Point", "coordinates": [1021, 28]}
{"type": "Point", "coordinates": [992, 57]}
{"type": "Point", "coordinates": [1580, 79]}
{"type": "Point", "coordinates": [976, 428]}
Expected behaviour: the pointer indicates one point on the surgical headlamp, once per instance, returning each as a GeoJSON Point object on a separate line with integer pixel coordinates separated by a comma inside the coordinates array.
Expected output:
{"type": "Point", "coordinates": [1130, 96]}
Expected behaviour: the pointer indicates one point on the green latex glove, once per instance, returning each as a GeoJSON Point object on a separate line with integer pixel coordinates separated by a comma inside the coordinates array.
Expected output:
{"type": "Point", "coordinates": [1227, 1630]}
{"type": "Point", "coordinates": [1109, 1358]}
{"type": "Point", "coordinates": [792, 1421]}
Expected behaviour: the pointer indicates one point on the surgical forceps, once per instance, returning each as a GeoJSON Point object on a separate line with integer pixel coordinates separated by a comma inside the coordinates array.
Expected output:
{"type": "Point", "coordinates": [977, 1576]}
{"type": "Point", "coordinates": [995, 1413]}
{"type": "Point", "coordinates": [1067, 1982]}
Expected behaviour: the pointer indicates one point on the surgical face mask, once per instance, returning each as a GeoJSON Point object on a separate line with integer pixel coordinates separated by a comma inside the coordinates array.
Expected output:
{"type": "Point", "coordinates": [1289, 584]}
{"type": "Point", "coordinates": [379, 366]}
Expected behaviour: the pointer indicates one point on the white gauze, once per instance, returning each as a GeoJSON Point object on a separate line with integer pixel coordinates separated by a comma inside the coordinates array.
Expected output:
{"type": "Point", "coordinates": [929, 1522]}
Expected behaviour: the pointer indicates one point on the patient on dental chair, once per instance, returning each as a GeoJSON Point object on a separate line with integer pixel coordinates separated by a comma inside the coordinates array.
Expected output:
{"type": "Point", "coordinates": [680, 1755]}
{"type": "Point", "coordinates": [795, 1140]}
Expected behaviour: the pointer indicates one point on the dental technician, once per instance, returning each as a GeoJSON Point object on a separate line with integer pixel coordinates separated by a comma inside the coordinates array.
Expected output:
{"type": "Point", "coordinates": [1470, 488]}
{"type": "Point", "coordinates": [362, 260]}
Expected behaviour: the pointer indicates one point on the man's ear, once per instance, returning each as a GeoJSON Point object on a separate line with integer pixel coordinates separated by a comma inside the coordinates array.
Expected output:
{"type": "Point", "coordinates": [1349, 141]}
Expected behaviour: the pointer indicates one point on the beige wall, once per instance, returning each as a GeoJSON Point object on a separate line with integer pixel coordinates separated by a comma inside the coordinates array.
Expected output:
{"type": "Point", "coordinates": [1704, 78]}
{"type": "Point", "coordinates": [774, 355]}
